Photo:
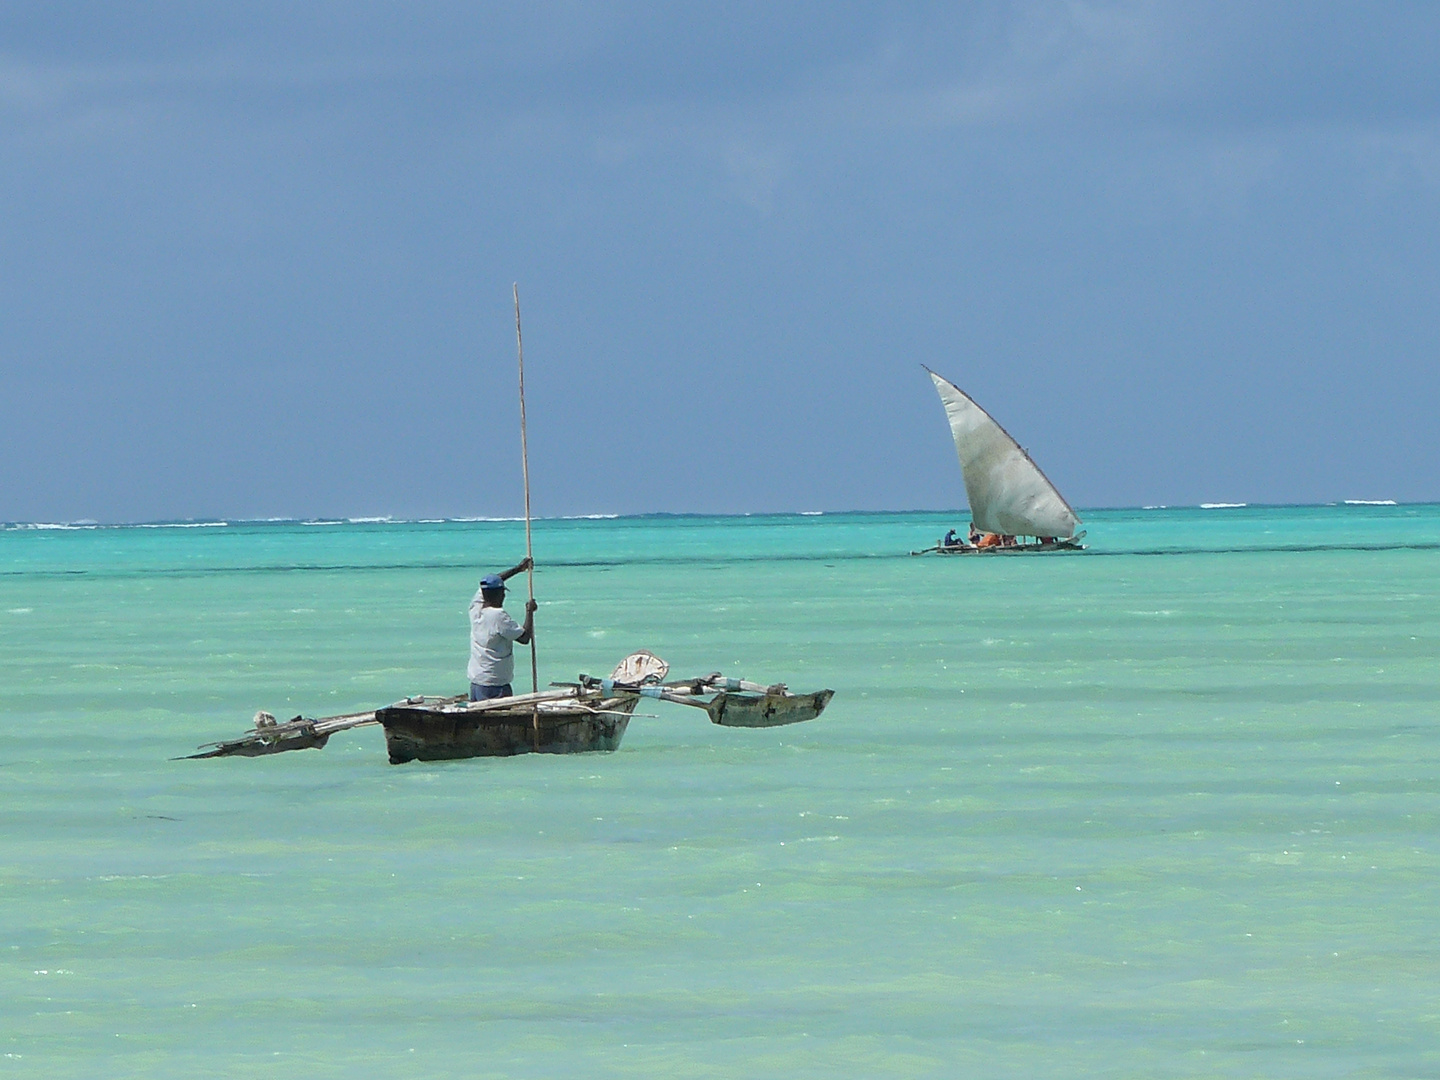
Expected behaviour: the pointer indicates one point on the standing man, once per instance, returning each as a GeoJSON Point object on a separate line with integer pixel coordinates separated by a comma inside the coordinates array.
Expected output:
{"type": "Point", "coordinates": [493, 634]}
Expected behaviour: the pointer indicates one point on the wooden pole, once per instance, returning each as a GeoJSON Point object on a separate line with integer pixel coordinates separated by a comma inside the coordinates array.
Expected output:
{"type": "Point", "coordinates": [525, 472]}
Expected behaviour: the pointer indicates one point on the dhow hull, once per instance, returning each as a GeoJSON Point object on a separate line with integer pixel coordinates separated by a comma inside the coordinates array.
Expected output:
{"type": "Point", "coordinates": [1013, 549]}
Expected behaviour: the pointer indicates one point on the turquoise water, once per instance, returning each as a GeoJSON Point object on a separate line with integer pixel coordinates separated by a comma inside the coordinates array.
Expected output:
{"type": "Point", "coordinates": [1165, 808]}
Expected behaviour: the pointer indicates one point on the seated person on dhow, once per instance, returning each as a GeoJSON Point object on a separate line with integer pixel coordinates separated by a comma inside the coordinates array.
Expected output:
{"type": "Point", "coordinates": [493, 634]}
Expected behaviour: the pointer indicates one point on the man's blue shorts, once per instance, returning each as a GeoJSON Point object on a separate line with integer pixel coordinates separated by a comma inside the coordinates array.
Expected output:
{"type": "Point", "coordinates": [485, 693]}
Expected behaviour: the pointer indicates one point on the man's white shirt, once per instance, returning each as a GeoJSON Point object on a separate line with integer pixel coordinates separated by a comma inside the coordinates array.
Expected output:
{"type": "Point", "coordinates": [492, 637]}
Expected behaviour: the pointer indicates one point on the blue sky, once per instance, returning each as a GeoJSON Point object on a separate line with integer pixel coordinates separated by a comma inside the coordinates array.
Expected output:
{"type": "Point", "coordinates": [258, 258]}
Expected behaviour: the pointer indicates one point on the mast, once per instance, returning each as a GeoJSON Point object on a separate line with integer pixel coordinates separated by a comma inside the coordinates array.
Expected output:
{"type": "Point", "coordinates": [525, 473]}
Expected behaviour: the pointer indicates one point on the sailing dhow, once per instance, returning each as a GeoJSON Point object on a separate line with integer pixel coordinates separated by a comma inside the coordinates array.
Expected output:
{"type": "Point", "coordinates": [1013, 506]}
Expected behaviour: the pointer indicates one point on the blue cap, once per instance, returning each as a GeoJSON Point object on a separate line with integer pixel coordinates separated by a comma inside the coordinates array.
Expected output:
{"type": "Point", "coordinates": [492, 583]}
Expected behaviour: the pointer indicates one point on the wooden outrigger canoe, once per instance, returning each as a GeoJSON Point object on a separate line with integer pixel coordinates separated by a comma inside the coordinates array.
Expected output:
{"type": "Point", "coordinates": [588, 715]}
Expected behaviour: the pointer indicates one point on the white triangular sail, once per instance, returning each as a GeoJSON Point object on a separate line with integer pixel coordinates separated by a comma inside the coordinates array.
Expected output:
{"type": "Point", "coordinates": [1007, 491]}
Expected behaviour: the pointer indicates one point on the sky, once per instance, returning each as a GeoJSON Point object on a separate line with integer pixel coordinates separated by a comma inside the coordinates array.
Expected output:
{"type": "Point", "coordinates": [257, 258]}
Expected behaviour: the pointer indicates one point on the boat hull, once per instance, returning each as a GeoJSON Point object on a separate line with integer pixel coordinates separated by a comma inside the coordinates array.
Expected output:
{"type": "Point", "coordinates": [431, 733]}
{"type": "Point", "coordinates": [1013, 549]}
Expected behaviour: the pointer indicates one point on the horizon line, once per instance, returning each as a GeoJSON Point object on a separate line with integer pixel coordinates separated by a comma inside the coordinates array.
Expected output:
{"type": "Point", "coordinates": [221, 522]}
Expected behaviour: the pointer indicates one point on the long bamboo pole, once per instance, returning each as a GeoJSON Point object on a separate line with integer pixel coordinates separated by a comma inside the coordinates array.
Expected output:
{"type": "Point", "coordinates": [525, 472]}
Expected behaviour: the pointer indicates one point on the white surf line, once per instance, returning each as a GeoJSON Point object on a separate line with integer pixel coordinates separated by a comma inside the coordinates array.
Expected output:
{"type": "Point", "coordinates": [182, 525]}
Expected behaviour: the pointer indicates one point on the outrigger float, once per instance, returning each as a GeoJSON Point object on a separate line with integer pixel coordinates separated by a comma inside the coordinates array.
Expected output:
{"type": "Point", "coordinates": [1012, 502]}
{"type": "Point", "coordinates": [587, 715]}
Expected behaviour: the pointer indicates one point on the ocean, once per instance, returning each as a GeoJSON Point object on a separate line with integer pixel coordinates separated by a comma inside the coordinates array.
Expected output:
{"type": "Point", "coordinates": [1164, 808]}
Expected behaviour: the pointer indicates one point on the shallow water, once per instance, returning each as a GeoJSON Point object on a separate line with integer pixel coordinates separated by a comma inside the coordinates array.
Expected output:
{"type": "Point", "coordinates": [1164, 808]}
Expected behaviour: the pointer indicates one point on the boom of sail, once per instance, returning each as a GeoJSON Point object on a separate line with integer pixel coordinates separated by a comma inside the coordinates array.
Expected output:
{"type": "Point", "coordinates": [1007, 491]}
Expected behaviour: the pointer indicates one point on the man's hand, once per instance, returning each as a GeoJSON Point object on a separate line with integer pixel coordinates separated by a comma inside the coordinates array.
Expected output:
{"type": "Point", "coordinates": [527, 632]}
{"type": "Point", "coordinates": [519, 568]}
